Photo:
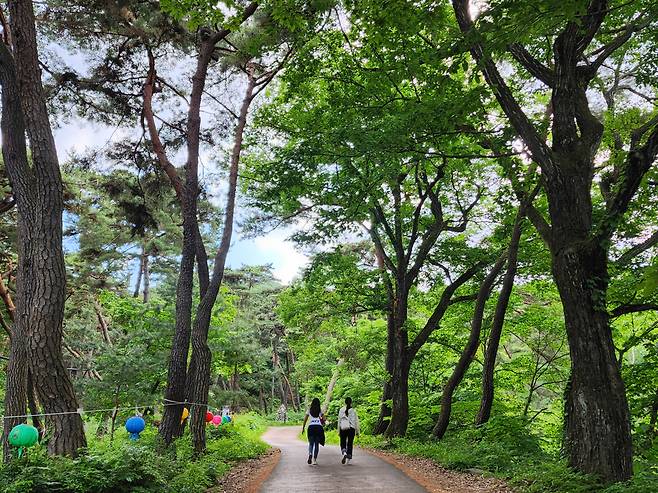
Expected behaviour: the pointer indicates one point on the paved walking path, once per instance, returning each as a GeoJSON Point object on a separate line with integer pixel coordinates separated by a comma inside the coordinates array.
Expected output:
{"type": "Point", "coordinates": [366, 473]}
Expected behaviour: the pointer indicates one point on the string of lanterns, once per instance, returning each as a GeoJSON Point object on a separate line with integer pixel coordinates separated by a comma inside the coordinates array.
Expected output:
{"type": "Point", "coordinates": [24, 436]}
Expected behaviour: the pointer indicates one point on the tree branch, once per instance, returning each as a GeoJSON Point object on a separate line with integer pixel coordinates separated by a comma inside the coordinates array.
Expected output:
{"type": "Point", "coordinates": [441, 307]}
{"type": "Point", "coordinates": [531, 64]}
{"type": "Point", "coordinates": [633, 308]}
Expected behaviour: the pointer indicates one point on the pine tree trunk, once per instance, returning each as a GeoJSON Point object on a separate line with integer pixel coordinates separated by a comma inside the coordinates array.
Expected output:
{"type": "Point", "coordinates": [16, 389]}
{"type": "Point", "coordinates": [199, 371]}
{"type": "Point", "coordinates": [147, 279]}
{"type": "Point", "coordinates": [41, 280]}
{"type": "Point", "coordinates": [170, 427]}
{"type": "Point", "coordinates": [140, 273]}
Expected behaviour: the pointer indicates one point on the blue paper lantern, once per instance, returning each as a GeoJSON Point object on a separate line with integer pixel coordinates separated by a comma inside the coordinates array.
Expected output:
{"type": "Point", "coordinates": [135, 426]}
{"type": "Point", "coordinates": [228, 418]}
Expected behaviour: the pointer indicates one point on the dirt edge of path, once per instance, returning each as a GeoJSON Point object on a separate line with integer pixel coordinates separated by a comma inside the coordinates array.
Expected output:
{"type": "Point", "coordinates": [248, 476]}
{"type": "Point", "coordinates": [437, 479]}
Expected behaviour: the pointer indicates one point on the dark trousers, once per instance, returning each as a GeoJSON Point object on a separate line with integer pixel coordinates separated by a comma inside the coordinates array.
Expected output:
{"type": "Point", "coordinates": [347, 441]}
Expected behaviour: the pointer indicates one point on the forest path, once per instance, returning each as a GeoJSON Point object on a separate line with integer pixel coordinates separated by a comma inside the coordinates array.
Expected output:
{"type": "Point", "coordinates": [366, 473]}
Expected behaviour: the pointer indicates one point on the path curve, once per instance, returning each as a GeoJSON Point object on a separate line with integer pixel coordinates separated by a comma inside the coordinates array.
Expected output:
{"type": "Point", "coordinates": [366, 473]}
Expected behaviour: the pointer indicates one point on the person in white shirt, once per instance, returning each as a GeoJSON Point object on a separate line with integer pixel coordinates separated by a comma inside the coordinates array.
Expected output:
{"type": "Point", "coordinates": [348, 427]}
{"type": "Point", "coordinates": [315, 435]}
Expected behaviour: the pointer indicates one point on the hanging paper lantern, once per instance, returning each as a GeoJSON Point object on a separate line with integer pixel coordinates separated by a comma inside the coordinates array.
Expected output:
{"type": "Point", "coordinates": [228, 418]}
{"type": "Point", "coordinates": [186, 413]}
{"type": "Point", "coordinates": [217, 420]}
{"type": "Point", "coordinates": [23, 436]}
{"type": "Point", "coordinates": [135, 426]}
{"type": "Point", "coordinates": [209, 417]}
{"type": "Point", "coordinates": [225, 419]}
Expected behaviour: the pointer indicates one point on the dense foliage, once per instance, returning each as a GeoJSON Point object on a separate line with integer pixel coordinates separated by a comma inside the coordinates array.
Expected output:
{"type": "Point", "coordinates": [474, 184]}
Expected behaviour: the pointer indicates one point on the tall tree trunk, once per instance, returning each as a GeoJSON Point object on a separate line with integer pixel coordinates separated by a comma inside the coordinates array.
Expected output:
{"type": "Point", "coordinates": [33, 406]}
{"type": "Point", "coordinates": [399, 391]}
{"type": "Point", "coordinates": [199, 371]}
{"type": "Point", "coordinates": [177, 377]}
{"type": "Point", "coordinates": [469, 351]}
{"type": "Point", "coordinates": [596, 415]}
{"type": "Point", "coordinates": [401, 364]}
{"type": "Point", "coordinates": [15, 390]}
{"type": "Point", "coordinates": [491, 353]}
{"type": "Point", "coordinates": [41, 280]}
{"type": "Point", "coordinates": [170, 427]}
{"type": "Point", "coordinates": [597, 418]}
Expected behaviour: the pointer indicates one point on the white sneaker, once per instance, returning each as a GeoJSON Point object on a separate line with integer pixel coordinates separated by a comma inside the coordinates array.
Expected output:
{"type": "Point", "coordinates": [347, 462]}
{"type": "Point", "coordinates": [315, 462]}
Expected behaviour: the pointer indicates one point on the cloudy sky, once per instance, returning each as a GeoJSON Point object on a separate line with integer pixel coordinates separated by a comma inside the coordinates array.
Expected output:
{"type": "Point", "coordinates": [272, 248]}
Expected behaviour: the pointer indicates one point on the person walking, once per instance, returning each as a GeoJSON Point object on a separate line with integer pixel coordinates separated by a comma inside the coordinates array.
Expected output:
{"type": "Point", "coordinates": [315, 434]}
{"type": "Point", "coordinates": [348, 427]}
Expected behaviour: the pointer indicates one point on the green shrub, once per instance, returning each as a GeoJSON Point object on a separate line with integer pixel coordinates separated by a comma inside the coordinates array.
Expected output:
{"type": "Point", "coordinates": [121, 465]}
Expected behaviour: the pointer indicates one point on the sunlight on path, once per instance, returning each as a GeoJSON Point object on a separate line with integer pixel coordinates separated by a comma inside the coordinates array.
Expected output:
{"type": "Point", "coordinates": [366, 473]}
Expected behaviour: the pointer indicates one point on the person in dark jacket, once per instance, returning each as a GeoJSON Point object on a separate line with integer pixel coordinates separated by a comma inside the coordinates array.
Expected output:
{"type": "Point", "coordinates": [315, 434]}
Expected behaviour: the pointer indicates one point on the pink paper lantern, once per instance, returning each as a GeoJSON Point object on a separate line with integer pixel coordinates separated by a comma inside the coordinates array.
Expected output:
{"type": "Point", "coordinates": [217, 420]}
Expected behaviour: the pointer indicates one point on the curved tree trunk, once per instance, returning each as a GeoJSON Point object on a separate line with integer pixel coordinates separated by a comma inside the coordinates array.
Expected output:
{"type": "Point", "coordinates": [332, 384]}
{"type": "Point", "coordinates": [469, 351]}
{"type": "Point", "coordinates": [497, 325]}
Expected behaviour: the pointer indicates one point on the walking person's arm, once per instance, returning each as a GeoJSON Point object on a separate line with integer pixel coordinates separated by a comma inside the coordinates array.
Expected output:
{"type": "Point", "coordinates": [304, 424]}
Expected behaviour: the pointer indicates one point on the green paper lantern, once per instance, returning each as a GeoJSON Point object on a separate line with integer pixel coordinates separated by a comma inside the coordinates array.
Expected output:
{"type": "Point", "coordinates": [22, 436]}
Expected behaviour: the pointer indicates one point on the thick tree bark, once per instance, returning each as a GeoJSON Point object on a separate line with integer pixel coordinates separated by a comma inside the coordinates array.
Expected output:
{"type": "Point", "coordinates": [597, 427]}
{"type": "Point", "coordinates": [469, 351]}
{"type": "Point", "coordinates": [41, 279]}
{"type": "Point", "coordinates": [597, 421]}
{"type": "Point", "coordinates": [16, 391]}
{"type": "Point", "coordinates": [491, 353]}
{"type": "Point", "coordinates": [170, 427]}
{"type": "Point", "coordinates": [401, 364]}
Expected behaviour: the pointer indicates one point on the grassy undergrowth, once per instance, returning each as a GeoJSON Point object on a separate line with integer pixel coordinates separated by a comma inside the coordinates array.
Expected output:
{"type": "Point", "coordinates": [124, 466]}
{"type": "Point", "coordinates": [506, 449]}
